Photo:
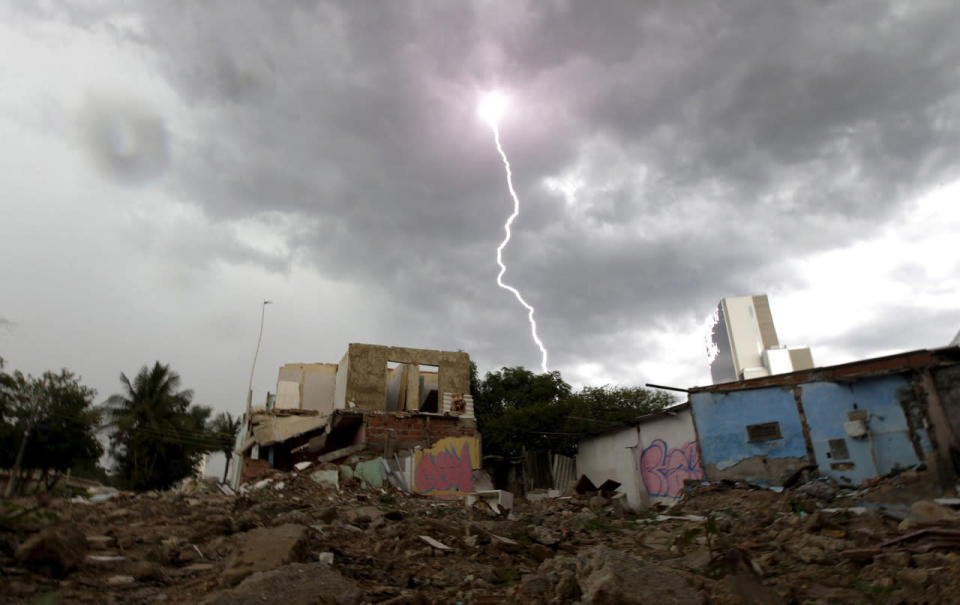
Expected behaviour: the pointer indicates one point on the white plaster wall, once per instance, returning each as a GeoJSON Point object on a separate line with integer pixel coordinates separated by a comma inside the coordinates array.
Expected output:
{"type": "Point", "coordinates": [318, 391]}
{"type": "Point", "coordinates": [667, 455]}
{"type": "Point", "coordinates": [288, 395]}
{"type": "Point", "coordinates": [340, 384]}
{"type": "Point", "coordinates": [613, 455]}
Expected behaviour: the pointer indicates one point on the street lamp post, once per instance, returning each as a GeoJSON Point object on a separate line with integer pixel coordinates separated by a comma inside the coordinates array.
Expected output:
{"type": "Point", "coordinates": [238, 466]}
{"type": "Point", "coordinates": [256, 352]}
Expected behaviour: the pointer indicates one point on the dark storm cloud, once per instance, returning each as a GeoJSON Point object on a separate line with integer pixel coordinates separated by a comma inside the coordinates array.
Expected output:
{"type": "Point", "coordinates": [715, 140]}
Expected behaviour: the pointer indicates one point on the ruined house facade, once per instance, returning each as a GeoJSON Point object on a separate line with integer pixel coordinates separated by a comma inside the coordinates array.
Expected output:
{"type": "Point", "coordinates": [851, 422]}
{"type": "Point", "coordinates": [404, 415]}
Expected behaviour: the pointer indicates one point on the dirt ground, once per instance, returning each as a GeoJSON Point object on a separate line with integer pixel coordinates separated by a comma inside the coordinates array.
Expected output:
{"type": "Point", "coordinates": [296, 541]}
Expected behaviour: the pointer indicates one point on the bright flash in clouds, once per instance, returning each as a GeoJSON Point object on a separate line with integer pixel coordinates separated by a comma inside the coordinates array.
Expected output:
{"type": "Point", "coordinates": [490, 109]}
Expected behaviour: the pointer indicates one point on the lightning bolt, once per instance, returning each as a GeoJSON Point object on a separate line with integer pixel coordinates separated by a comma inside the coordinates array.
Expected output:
{"type": "Point", "coordinates": [506, 240]}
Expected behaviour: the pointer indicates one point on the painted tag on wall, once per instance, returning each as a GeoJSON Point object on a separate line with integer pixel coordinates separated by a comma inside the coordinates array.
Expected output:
{"type": "Point", "coordinates": [664, 470]}
{"type": "Point", "coordinates": [446, 469]}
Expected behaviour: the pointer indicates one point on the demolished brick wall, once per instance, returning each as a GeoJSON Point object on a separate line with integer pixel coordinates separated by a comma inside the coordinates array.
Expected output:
{"type": "Point", "coordinates": [411, 430]}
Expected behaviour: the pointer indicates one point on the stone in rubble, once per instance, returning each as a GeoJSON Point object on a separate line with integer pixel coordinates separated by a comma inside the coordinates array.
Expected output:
{"type": "Point", "coordinates": [535, 588]}
{"type": "Point", "coordinates": [293, 584]}
{"type": "Point", "coordinates": [611, 577]}
{"type": "Point", "coordinates": [100, 542]}
{"type": "Point", "coordinates": [264, 549]}
{"type": "Point", "coordinates": [362, 514]}
{"type": "Point", "coordinates": [818, 488]}
{"type": "Point", "coordinates": [543, 535]}
{"type": "Point", "coordinates": [929, 510]}
{"type": "Point", "coordinates": [540, 552]}
{"type": "Point", "coordinates": [145, 571]}
{"type": "Point", "coordinates": [54, 550]}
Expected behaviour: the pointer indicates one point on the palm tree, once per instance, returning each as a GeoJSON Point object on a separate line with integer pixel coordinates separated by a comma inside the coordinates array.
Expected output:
{"type": "Point", "coordinates": [224, 430]}
{"type": "Point", "coordinates": [158, 436]}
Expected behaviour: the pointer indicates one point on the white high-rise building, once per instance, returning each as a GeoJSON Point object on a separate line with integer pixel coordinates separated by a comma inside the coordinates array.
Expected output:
{"type": "Point", "coordinates": [745, 342]}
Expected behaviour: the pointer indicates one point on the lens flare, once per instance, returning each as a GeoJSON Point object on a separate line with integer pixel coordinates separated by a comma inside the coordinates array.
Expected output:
{"type": "Point", "coordinates": [490, 109]}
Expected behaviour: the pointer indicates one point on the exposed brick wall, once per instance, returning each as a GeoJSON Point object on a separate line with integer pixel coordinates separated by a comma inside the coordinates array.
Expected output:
{"type": "Point", "coordinates": [254, 468]}
{"type": "Point", "coordinates": [409, 431]}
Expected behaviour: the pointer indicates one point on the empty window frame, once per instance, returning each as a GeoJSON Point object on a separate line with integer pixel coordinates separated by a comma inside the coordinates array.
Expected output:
{"type": "Point", "coordinates": [767, 431]}
{"type": "Point", "coordinates": [429, 389]}
{"type": "Point", "coordinates": [838, 449]}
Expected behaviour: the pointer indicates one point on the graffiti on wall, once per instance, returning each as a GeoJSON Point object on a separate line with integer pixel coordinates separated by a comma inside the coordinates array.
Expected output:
{"type": "Point", "coordinates": [446, 469]}
{"type": "Point", "coordinates": [664, 470]}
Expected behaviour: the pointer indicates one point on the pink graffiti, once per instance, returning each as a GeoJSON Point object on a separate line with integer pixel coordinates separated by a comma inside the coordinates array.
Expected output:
{"type": "Point", "coordinates": [664, 470]}
{"type": "Point", "coordinates": [445, 472]}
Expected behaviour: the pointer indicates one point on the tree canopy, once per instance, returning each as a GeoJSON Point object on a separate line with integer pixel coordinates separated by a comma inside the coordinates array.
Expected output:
{"type": "Point", "coordinates": [518, 409]}
{"type": "Point", "coordinates": [159, 437]}
{"type": "Point", "coordinates": [47, 424]}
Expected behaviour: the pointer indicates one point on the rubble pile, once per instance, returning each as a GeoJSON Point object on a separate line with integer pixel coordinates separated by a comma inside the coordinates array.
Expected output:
{"type": "Point", "coordinates": [296, 538]}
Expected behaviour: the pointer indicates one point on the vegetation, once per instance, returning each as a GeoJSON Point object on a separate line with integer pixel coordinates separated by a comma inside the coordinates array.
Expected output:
{"type": "Point", "coordinates": [223, 430]}
{"type": "Point", "coordinates": [48, 426]}
{"type": "Point", "coordinates": [518, 409]}
{"type": "Point", "coordinates": [158, 437]}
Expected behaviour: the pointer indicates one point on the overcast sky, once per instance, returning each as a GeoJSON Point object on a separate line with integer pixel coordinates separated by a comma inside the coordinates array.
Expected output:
{"type": "Point", "coordinates": [166, 166]}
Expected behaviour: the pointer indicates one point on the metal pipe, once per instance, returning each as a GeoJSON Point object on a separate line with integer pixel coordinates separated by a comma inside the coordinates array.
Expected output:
{"type": "Point", "coordinates": [660, 386]}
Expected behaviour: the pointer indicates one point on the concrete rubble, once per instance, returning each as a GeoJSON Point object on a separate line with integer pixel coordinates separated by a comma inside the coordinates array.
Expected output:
{"type": "Point", "coordinates": [297, 540]}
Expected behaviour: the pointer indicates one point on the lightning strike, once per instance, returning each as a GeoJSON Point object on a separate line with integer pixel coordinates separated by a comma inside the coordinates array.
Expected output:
{"type": "Point", "coordinates": [490, 109]}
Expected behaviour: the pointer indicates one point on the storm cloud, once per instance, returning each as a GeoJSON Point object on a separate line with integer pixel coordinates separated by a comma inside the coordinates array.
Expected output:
{"type": "Point", "coordinates": [666, 155]}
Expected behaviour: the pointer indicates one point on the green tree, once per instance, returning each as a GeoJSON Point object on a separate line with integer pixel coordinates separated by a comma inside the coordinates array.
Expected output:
{"type": "Point", "coordinates": [48, 425]}
{"type": "Point", "coordinates": [619, 404]}
{"type": "Point", "coordinates": [511, 403]}
{"type": "Point", "coordinates": [517, 409]}
{"type": "Point", "coordinates": [223, 430]}
{"type": "Point", "coordinates": [158, 437]}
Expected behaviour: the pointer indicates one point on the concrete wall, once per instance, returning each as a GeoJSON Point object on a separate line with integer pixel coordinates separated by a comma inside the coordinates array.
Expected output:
{"type": "Point", "coordinates": [650, 461]}
{"type": "Point", "coordinates": [446, 469]}
{"type": "Point", "coordinates": [852, 428]}
{"type": "Point", "coordinates": [876, 403]}
{"type": "Point", "coordinates": [721, 419]}
{"type": "Point", "coordinates": [366, 384]}
{"type": "Point", "coordinates": [613, 455]}
{"type": "Point", "coordinates": [396, 388]}
{"type": "Point", "coordinates": [340, 384]}
{"type": "Point", "coordinates": [307, 386]}
{"type": "Point", "coordinates": [668, 456]}
{"type": "Point", "coordinates": [946, 381]}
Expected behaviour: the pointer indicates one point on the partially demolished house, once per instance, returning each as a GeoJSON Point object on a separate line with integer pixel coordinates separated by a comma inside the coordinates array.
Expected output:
{"type": "Point", "coordinates": [399, 414]}
{"type": "Point", "coordinates": [852, 422]}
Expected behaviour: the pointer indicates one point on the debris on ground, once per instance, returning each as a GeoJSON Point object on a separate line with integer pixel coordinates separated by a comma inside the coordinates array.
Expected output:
{"type": "Point", "coordinates": [299, 537]}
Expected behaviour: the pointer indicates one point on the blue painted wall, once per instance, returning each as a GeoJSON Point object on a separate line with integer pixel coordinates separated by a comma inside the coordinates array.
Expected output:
{"type": "Point", "coordinates": [827, 406]}
{"type": "Point", "coordinates": [722, 417]}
